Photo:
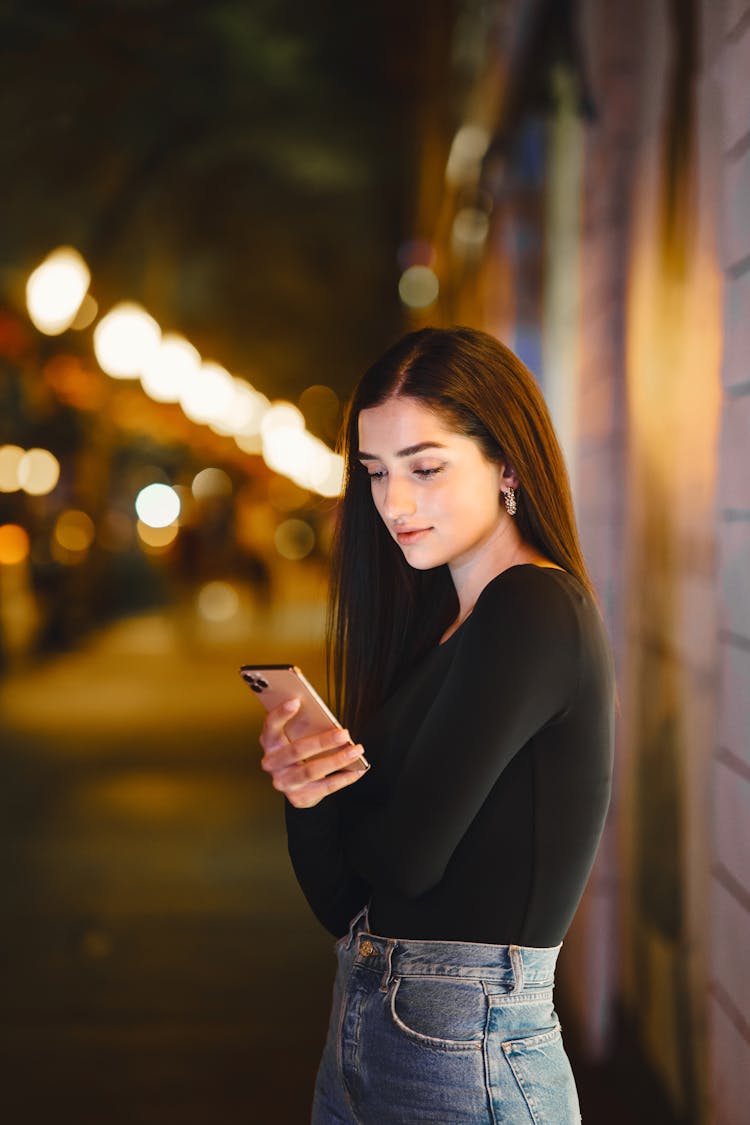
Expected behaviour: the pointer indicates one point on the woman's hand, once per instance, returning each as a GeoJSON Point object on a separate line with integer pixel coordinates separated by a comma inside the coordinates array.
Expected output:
{"type": "Point", "coordinates": [306, 769]}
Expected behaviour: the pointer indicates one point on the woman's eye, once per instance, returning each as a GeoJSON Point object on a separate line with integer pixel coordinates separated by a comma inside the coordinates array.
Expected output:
{"type": "Point", "coordinates": [425, 474]}
{"type": "Point", "coordinates": [376, 474]}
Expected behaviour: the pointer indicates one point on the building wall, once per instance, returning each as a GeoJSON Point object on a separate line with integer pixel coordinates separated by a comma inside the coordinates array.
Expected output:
{"type": "Point", "coordinates": [728, 74]}
{"type": "Point", "coordinates": [664, 498]}
{"type": "Point", "coordinates": [612, 47]}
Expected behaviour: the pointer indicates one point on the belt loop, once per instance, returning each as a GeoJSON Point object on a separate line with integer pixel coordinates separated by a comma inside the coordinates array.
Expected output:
{"type": "Point", "coordinates": [354, 926]}
{"type": "Point", "coordinates": [386, 977]}
{"type": "Point", "coordinates": [516, 960]}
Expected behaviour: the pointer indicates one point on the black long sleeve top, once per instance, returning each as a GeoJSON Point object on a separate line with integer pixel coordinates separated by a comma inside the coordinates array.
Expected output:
{"type": "Point", "coordinates": [491, 771]}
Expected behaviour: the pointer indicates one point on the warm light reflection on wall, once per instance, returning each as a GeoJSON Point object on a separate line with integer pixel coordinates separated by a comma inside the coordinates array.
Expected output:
{"type": "Point", "coordinates": [14, 544]}
{"type": "Point", "coordinates": [470, 229]}
{"type": "Point", "coordinates": [673, 379]}
{"type": "Point", "coordinates": [467, 150]}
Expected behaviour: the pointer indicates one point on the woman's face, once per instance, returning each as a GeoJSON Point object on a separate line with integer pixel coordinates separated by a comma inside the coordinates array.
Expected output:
{"type": "Point", "coordinates": [436, 492]}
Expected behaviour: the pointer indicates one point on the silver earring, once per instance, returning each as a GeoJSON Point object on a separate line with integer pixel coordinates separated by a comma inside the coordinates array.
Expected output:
{"type": "Point", "coordinates": [510, 501]}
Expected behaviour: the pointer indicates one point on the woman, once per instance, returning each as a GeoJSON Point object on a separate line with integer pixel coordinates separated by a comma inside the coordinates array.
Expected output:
{"type": "Point", "coordinates": [470, 659]}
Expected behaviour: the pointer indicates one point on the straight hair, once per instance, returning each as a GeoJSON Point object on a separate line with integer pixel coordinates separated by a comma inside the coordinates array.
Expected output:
{"type": "Point", "coordinates": [383, 614]}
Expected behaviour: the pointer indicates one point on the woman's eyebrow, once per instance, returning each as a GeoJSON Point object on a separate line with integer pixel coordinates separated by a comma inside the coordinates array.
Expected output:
{"type": "Point", "coordinates": [408, 452]}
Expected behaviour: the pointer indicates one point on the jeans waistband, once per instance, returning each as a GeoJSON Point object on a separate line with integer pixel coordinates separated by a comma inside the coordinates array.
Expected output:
{"type": "Point", "coordinates": [512, 967]}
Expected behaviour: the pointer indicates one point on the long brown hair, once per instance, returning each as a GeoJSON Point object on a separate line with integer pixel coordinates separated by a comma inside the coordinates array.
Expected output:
{"type": "Point", "coordinates": [383, 614]}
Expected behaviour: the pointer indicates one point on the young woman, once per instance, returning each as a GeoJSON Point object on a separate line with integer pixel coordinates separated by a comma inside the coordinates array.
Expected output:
{"type": "Point", "coordinates": [471, 664]}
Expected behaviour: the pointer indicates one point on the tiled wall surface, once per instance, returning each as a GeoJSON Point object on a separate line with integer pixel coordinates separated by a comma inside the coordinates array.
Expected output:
{"type": "Point", "coordinates": [729, 988]}
{"type": "Point", "coordinates": [613, 55]}
{"type": "Point", "coordinates": [702, 646]}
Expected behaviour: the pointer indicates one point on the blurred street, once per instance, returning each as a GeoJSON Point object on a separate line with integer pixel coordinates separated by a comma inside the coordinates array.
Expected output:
{"type": "Point", "coordinates": [160, 965]}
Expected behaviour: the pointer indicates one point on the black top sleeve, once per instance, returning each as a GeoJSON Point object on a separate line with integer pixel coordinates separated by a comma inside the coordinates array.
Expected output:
{"type": "Point", "coordinates": [334, 890]}
{"type": "Point", "coordinates": [514, 671]}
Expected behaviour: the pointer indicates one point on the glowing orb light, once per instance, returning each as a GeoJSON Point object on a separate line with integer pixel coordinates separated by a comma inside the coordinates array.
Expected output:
{"type": "Point", "coordinates": [74, 530]}
{"type": "Point", "coordinates": [170, 368]}
{"type": "Point", "coordinates": [157, 505]}
{"type": "Point", "coordinates": [125, 340]}
{"type": "Point", "coordinates": [38, 472]}
{"type": "Point", "coordinates": [217, 601]}
{"type": "Point", "coordinates": [14, 544]}
{"type": "Point", "coordinates": [10, 458]}
{"type": "Point", "coordinates": [56, 289]}
{"type": "Point", "coordinates": [418, 287]}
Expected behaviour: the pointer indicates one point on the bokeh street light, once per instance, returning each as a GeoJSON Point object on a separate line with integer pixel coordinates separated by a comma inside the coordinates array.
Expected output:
{"type": "Point", "coordinates": [38, 472]}
{"type": "Point", "coordinates": [170, 368]}
{"type": "Point", "coordinates": [56, 289]}
{"type": "Point", "coordinates": [208, 394]}
{"type": "Point", "coordinates": [418, 287]}
{"type": "Point", "coordinates": [10, 458]}
{"type": "Point", "coordinates": [157, 505]}
{"type": "Point", "coordinates": [125, 340]}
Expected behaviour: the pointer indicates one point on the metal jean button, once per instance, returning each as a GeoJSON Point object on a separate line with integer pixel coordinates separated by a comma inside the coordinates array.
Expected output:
{"type": "Point", "coordinates": [366, 948]}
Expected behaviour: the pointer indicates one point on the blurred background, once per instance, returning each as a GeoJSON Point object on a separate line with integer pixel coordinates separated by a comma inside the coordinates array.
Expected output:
{"type": "Point", "coordinates": [213, 217]}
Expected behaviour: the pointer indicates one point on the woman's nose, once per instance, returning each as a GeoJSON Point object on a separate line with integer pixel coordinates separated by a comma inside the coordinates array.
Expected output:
{"type": "Point", "coordinates": [399, 499]}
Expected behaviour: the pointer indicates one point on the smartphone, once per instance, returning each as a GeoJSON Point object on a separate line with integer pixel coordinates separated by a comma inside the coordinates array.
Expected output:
{"type": "Point", "coordinates": [273, 683]}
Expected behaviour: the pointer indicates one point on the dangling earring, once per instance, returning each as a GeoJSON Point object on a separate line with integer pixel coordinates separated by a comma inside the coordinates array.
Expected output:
{"type": "Point", "coordinates": [510, 501]}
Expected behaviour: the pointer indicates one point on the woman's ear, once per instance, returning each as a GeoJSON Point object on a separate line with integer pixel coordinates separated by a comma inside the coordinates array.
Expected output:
{"type": "Point", "coordinates": [509, 476]}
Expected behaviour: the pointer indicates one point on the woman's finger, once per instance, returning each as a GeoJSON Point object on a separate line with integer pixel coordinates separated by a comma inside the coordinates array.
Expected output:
{"type": "Point", "coordinates": [314, 793]}
{"type": "Point", "coordinates": [287, 752]}
{"type": "Point", "coordinates": [304, 771]}
{"type": "Point", "coordinates": [276, 720]}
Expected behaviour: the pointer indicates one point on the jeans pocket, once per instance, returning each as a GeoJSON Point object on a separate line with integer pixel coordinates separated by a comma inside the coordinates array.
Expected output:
{"type": "Point", "coordinates": [445, 1012]}
{"type": "Point", "coordinates": [542, 1071]}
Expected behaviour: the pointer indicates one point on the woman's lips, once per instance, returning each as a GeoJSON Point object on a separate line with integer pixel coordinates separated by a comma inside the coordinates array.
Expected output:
{"type": "Point", "coordinates": [405, 537]}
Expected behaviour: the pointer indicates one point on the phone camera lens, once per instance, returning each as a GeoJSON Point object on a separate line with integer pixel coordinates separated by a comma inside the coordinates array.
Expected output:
{"type": "Point", "coordinates": [257, 683]}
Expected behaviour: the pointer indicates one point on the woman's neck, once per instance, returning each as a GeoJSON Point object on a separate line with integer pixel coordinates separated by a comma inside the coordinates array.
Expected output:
{"type": "Point", "coordinates": [471, 577]}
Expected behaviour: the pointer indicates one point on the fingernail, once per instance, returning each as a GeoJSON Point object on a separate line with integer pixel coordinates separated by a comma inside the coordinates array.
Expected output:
{"type": "Point", "coordinates": [291, 705]}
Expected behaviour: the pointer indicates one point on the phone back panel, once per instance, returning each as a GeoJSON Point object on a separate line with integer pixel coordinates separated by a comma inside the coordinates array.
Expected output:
{"type": "Point", "coordinates": [275, 684]}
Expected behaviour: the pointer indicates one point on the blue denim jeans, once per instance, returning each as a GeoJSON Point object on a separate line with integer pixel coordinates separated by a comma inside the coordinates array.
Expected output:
{"type": "Point", "coordinates": [442, 1033]}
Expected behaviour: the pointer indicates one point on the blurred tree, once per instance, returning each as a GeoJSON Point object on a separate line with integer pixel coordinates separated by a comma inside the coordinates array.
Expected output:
{"type": "Point", "coordinates": [241, 167]}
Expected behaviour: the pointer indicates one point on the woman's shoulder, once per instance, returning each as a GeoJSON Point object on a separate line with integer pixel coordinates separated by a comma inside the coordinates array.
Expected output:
{"type": "Point", "coordinates": [541, 583]}
{"type": "Point", "coordinates": [541, 600]}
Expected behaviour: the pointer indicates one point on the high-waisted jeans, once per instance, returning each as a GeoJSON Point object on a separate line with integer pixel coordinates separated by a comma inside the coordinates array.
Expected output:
{"type": "Point", "coordinates": [442, 1033]}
